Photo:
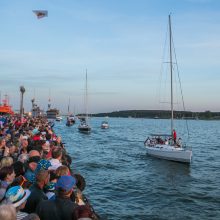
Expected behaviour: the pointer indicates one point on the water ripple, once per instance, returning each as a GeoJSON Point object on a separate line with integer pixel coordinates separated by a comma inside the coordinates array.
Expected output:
{"type": "Point", "coordinates": [125, 183]}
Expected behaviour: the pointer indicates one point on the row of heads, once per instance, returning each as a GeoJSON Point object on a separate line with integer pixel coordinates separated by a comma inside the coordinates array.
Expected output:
{"type": "Point", "coordinates": [16, 195]}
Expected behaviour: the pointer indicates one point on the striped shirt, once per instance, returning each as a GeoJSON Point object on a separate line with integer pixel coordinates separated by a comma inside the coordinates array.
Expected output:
{"type": "Point", "coordinates": [21, 215]}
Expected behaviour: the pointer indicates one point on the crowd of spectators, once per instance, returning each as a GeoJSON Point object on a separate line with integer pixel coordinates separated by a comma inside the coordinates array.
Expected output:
{"type": "Point", "coordinates": [36, 181]}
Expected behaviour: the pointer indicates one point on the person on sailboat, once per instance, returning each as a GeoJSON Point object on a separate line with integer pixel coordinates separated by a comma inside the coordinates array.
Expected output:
{"type": "Point", "coordinates": [174, 136]}
{"type": "Point", "coordinates": [179, 142]}
{"type": "Point", "coordinates": [147, 141]}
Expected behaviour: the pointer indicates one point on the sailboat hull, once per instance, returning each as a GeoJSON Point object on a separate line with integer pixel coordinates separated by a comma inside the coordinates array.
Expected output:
{"type": "Point", "coordinates": [70, 123]}
{"type": "Point", "coordinates": [170, 153]}
{"type": "Point", "coordinates": [84, 129]}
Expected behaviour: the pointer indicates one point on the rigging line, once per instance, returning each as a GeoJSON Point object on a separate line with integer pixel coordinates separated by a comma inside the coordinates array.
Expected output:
{"type": "Point", "coordinates": [159, 90]}
{"type": "Point", "coordinates": [180, 85]}
{"type": "Point", "coordinates": [177, 100]}
{"type": "Point", "coordinates": [162, 67]}
{"type": "Point", "coordinates": [159, 84]}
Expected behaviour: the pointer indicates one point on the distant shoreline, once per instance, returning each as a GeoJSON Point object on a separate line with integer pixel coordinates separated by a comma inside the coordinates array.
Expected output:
{"type": "Point", "coordinates": [161, 114]}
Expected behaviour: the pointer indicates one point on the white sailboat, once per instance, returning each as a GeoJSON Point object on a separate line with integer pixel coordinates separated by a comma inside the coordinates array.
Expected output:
{"type": "Point", "coordinates": [166, 146]}
{"type": "Point", "coordinates": [84, 125]}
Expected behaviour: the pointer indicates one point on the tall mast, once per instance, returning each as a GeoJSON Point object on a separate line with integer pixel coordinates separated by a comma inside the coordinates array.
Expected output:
{"type": "Point", "coordinates": [86, 98]}
{"type": "Point", "coordinates": [49, 101]}
{"type": "Point", "coordinates": [69, 106]}
{"type": "Point", "coordinates": [171, 73]}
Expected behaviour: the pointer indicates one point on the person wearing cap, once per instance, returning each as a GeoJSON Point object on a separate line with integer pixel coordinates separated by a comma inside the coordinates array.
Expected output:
{"type": "Point", "coordinates": [43, 165]}
{"type": "Point", "coordinates": [17, 196]}
{"type": "Point", "coordinates": [62, 207]}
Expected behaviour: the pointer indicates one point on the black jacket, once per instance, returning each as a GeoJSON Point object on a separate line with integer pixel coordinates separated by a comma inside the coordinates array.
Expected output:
{"type": "Point", "coordinates": [58, 209]}
{"type": "Point", "coordinates": [36, 196]}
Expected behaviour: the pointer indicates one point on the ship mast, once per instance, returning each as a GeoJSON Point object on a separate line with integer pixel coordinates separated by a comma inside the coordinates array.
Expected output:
{"type": "Point", "coordinates": [171, 72]}
{"type": "Point", "coordinates": [86, 98]}
{"type": "Point", "coordinates": [69, 107]}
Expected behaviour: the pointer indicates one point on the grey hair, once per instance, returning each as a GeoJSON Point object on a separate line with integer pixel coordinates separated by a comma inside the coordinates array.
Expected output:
{"type": "Point", "coordinates": [23, 158]}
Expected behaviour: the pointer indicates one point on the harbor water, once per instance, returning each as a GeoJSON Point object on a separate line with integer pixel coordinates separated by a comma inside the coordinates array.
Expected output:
{"type": "Point", "coordinates": [123, 182]}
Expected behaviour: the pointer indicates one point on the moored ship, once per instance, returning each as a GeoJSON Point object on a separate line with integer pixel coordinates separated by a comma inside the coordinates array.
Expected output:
{"type": "Point", "coordinates": [5, 108]}
{"type": "Point", "coordinates": [52, 113]}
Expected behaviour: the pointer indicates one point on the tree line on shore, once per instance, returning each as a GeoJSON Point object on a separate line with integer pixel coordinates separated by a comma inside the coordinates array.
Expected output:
{"type": "Point", "coordinates": [162, 114]}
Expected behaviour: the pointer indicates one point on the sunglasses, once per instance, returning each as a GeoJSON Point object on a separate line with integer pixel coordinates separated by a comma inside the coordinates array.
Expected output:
{"type": "Point", "coordinates": [22, 180]}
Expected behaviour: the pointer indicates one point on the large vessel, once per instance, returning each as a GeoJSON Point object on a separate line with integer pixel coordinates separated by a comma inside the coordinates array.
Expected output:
{"type": "Point", "coordinates": [5, 108]}
{"type": "Point", "coordinates": [36, 111]}
{"type": "Point", "coordinates": [52, 113]}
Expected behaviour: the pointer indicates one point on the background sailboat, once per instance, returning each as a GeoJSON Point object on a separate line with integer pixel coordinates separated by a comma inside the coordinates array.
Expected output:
{"type": "Point", "coordinates": [166, 146]}
{"type": "Point", "coordinates": [84, 121]}
{"type": "Point", "coordinates": [71, 119]}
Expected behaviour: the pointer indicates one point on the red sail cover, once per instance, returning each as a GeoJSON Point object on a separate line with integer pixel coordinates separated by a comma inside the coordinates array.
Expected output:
{"type": "Point", "coordinates": [40, 13]}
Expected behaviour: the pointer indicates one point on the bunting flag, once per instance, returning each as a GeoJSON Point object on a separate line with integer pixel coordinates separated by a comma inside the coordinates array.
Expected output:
{"type": "Point", "coordinates": [40, 13]}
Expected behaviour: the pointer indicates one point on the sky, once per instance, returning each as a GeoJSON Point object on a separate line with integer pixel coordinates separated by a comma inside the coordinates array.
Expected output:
{"type": "Point", "coordinates": [119, 42]}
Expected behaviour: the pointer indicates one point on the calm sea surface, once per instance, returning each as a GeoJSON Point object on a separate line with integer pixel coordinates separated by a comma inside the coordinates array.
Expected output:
{"type": "Point", "coordinates": [123, 182]}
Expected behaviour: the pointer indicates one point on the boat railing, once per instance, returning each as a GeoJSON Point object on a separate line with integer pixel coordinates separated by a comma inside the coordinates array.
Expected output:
{"type": "Point", "coordinates": [167, 140]}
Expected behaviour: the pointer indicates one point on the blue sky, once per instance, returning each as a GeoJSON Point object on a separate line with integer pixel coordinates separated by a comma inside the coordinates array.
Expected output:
{"type": "Point", "coordinates": [119, 42]}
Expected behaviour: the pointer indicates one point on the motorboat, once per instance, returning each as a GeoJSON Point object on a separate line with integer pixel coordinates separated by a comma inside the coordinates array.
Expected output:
{"type": "Point", "coordinates": [104, 125]}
